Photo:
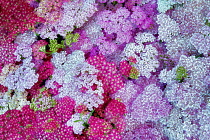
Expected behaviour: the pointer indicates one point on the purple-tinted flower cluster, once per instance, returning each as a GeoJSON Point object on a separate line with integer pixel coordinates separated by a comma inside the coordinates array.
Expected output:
{"type": "Point", "coordinates": [152, 105]}
{"type": "Point", "coordinates": [116, 23]}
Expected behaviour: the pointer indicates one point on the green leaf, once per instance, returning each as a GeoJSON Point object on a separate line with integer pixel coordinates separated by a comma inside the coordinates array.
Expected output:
{"type": "Point", "coordinates": [86, 125]}
{"type": "Point", "coordinates": [114, 3]}
{"type": "Point", "coordinates": [37, 34]}
{"type": "Point", "coordinates": [42, 49]}
{"type": "Point", "coordinates": [54, 46]}
{"type": "Point", "coordinates": [48, 130]}
{"type": "Point", "coordinates": [160, 41]}
{"type": "Point", "coordinates": [198, 56]}
{"type": "Point", "coordinates": [78, 121]}
{"type": "Point", "coordinates": [181, 73]}
{"type": "Point", "coordinates": [207, 23]}
{"type": "Point", "coordinates": [22, 57]}
{"type": "Point", "coordinates": [28, 125]}
{"type": "Point", "coordinates": [49, 120]}
{"type": "Point", "coordinates": [1, 106]}
{"type": "Point", "coordinates": [75, 37]}
{"type": "Point", "coordinates": [42, 89]}
{"type": "Point", "coordinates": [70, 38]}
{"type": "Point", "coordinates": [33, 106]}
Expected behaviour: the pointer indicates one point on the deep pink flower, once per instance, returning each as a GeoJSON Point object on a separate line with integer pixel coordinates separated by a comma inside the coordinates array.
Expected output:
{"type": "Point", "coordinates": [115, 110]}
{"type": "Point", "coordinates": [111, 79]}
{"type": "Point", "coordinates": [16, 16]}
{"type": "Point", "coordinates": [64, 109]}
{"type": "Point", "coordinates": [125, 68]}
{"type": "Point", "coordinates": [36, 49]}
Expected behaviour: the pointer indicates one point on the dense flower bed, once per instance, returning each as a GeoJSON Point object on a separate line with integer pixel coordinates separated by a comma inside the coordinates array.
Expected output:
{"type": "Point", "coordinates": [104, 70]}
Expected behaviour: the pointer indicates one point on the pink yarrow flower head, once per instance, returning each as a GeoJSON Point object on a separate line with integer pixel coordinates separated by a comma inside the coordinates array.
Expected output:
{"type": "Point", "coordinates": [131, 3]}
{"type": "Point", "coordinates": [29, 122]}
{"type": "Point", "coordinates": [50, 125]}
{"type": "Point", "coordinates": [98, 127]}
{"type": "Point", "coordinates": [108, 73]}
{"type": "Point", "coordinates": [65, 132]}
{"type": "Point", "coordinates": [114, 110]}
{"type": "Point", "coordinates": [50, 10]}
{"type": "Point", "coordinates": [81, 109]}
{"type": "Point", "coordinates": [7, 52]}
{"type": "Point", "coordinates": [106, 47]}
{"type": "Point", "coordinates": [18, 124]}
{"type": "Point", "coordinates": [12, 120]}
{"type": "Point", "coordinates": [116, 22]}
{"type": "Point", "coordinates": [17, 18]}
{"type": "Point", "coordinates": [145, 132]}
{"type": "Point", "coordinates": [64, 108]}
{"type": "Point", "coordinates": [54, 91]}
{"type": "Point", "coordinates": [36, 49]}
{"type": "Point", "coordinates": [45, 70]}
{"type": "Point", "coordinates": [125, 68]}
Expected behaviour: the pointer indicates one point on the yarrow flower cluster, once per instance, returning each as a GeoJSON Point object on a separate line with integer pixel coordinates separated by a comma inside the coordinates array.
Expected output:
{"type": "Point", "coordinates": [100, 129]}
{"type": "Point", "coordinates": [191, 16]}
{"type": "Point", "coordinates": [187, 93]}
{"type": "Point", "coordinates": [80, 76]}
{"type": "Point", "coordinates": [144, 37]}
{"type": "Point", "coordinates": [9, 101]}
{"type": "Point", "coordinates": [201, 41]}
{"type": "Point", "coordinates": [153, 105]}
{"type": "Point", "coordinates": [73, 14]}
{"type": "Point", "coordinates": [36, 47]}
{"type": "Point", "coordinates": [106, 47]}
{"type": "Point", "coordinates": [116, 23]}
{"type": "Point", "coordinates": [7, 51]}
{"type": "Point", "coordinates": [104, 69]}
{"type": "Point", "coordinates": [49, 9]}
{"type": "Point", "coordinates": [17, 19]}
{"type": "Point", "coordinates": [145, 57]}
{"type": "Point", "coordinates": [23, 78]}
{"type": "Point", "coordinates": [141, 18]}
{"type": "Point", "coordinates": [107, 73]}
{"type": "Point", "coordinates": [183, 124]}
{"type": "Point", "coordinates": [168, 27]}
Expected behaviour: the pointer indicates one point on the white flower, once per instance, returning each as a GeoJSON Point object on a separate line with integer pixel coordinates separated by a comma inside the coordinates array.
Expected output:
{"type": "Point", "coordinates": [168, 27]}
{"type": "Point", "coordinates": [144, 37]}
{"type": "Point", "coordinates": [77, 122]}
{"type": "Point", "coordinates": [164, 5]}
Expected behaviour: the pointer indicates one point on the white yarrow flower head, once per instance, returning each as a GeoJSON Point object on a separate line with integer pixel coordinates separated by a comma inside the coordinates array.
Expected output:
{"type": "Point", "coordinates": [144, 37]}
{"type": "Point", "coordinates": [168, 27]}
{"type": "Point", "coordinates": [15, 101]}
{"type": "Point", "coordinates": [77, 122]}
{"type": "Point", "coordinates": [145, 56]}
{"type": "Point", "coordinates": [165, 5]}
